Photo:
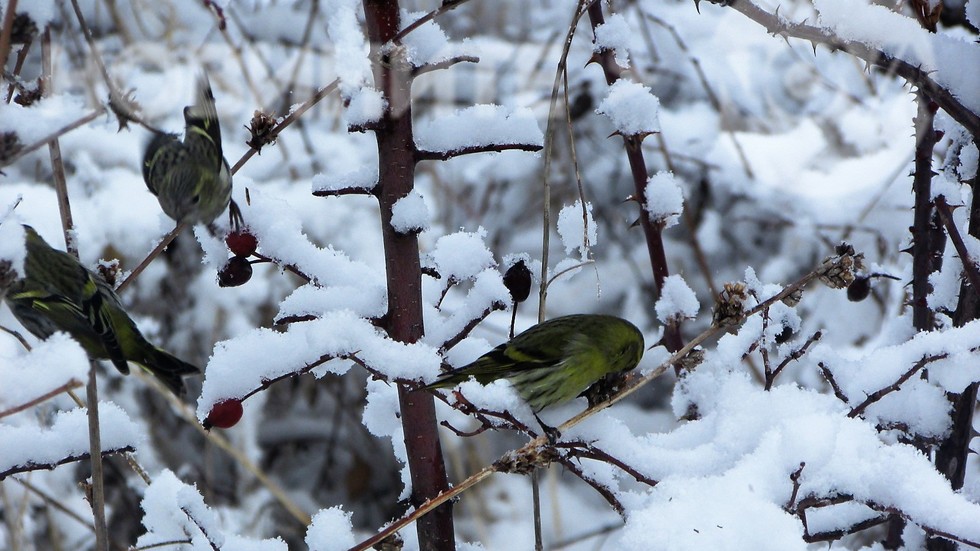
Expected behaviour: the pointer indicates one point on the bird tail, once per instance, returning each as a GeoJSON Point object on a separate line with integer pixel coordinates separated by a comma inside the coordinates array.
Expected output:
{"type": "Point", "coordinates": [169, 369]}
{"type": "Point", "coordinates": [202, 117]}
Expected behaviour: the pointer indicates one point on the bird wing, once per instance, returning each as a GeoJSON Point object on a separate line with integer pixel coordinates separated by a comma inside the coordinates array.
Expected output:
{"type": "Point", "coordinates": [163, 152]}
{"type": "Point", "coordinates": [528, 352]}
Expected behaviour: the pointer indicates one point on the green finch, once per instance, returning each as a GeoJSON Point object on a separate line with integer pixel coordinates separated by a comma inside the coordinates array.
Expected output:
{"type": "Point", "coordinates": [57, 293]}
{"type": "Point", "coordinates": [555, 361]}
{"type": "Point", "coordinates": [191, 179]}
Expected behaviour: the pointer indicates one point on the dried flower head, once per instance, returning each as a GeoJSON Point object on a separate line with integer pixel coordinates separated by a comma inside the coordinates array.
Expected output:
{"type": "Point", "coordinates": [730, 307]}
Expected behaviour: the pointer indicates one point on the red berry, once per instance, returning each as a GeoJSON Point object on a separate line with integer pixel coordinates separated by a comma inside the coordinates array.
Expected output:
{"type": "Point", "coordinates": [236, 272]}
{"type": "Point", "coordinates": [241, 242]}
{"type": "Point", "coordinates": [225, 414]}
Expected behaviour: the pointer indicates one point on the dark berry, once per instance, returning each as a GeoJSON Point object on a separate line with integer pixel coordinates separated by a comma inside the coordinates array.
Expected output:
{"type": "Point", "coordinates": [784, 335]}
{"type": "Point", "coordinates": [517, 279]}
{"type": "Point", "coordinates": [859, 289]}
{"type": "Point", "coordinates": [225, 414]}
{"type": "Point", "coordinates": [241, 243]}
{"type": "Point", "coordinates": [236, 272]}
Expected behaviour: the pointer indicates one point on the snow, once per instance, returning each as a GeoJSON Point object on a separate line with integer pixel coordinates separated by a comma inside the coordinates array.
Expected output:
{"type": "Point", "coordinates": [665, 200]}
{"type": "Point", "coordinates": [577, 229]}
{"type": "Point", "coordinates": [31, 445]}
{"type": "Point", "coordinates": [41, 120]}
{"type": "Point", "coordinates": [62, 358]}
{"type": "Point", "coordinates": [677, 301]}
{"type": "Point", "coordinates": [41, 12]}
{"type": "Point", "coordinates": [244, 364]}
{"type": "Point", "coordinates": [973, 12]}
{"type": "Point", "coordinates": [428, 44]}
{"type": "Point", "coordinates": [409, 214]}
{"type": "Point", "coordinates": [175, 511]}
{"type": "Point", "coordinates": [478, 126]}
{"type": "Point", "coordinates": [632, 108]}
{"type": "Point", "coordinates": [941, 55]}
{"type": "Point", "coordinates": [363, 178]}
{"type": "Point", "coordinates": [462, 255]}
{"type": "Point", "coordinates": [366, 106]}
{"type": "Point", "coordinates": [330, 530]}
{"type": "Point", "coordinates": [351, 50]}
{"type": "Point", "coordinates": [12, 245]}
{"type": "Point", "coordinates": [615, 34]}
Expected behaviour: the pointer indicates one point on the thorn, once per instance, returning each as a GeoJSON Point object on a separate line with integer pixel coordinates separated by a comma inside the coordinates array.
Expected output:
{"type": "Point", "coordinates": [697, 6]}
{"type": "Point", "coordinates": [635, 223]}
{"type": "Point", "coordinates": [594, 59]}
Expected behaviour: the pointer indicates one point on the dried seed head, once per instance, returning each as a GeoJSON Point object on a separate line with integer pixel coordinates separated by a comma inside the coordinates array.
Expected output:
{"type": "Point", "coordinates": [730, 307]}
{"type": "Point", "coordinates": [109, 271]}
{"type": "Point", "coordinates": [10, 146]}
{"type": "Point", "coordinates": [691, 360]}
{"type": "Point", "coordinates": [394, 542]}
{"type": "Point", "coordinates": [23, 30]}
{"type": "Point", "coordinates": [261, 128]}
{"type": "Point", "coordinates": [839, 271]}
{"type": "Point", "coordinates": [524, 462]}
{"type": "Point", "coordinates": [794, 298]}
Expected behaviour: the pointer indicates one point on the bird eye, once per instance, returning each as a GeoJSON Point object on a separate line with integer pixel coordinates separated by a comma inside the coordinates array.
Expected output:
{"type": "Point", "coordinates": [196, 199]}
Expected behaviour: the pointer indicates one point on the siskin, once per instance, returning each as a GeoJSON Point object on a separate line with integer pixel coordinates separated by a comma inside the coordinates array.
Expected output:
{"type": "Point", "coordinates": [555, 361]}
{"type": "Point", "coordinates": [57, 293]}
{"type": "Point", "coordinates": [191, 179]}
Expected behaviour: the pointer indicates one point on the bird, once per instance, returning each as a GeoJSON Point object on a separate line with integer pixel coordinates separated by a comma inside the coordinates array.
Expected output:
{"type": "Point", "coordinates": [554, 361]}
{"type": "Point", "coordinates": [57, 293]}
{"type": "Point", "coordinates": [191, 178]}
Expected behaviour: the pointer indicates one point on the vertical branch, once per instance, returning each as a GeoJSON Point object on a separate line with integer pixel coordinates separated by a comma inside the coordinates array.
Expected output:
{"type": "Point", "coordinates": [951, 455]}
{"type": "Point", "coordinates": [928, 242]}
{"type": "Point", "coordinates": [928, 238]}
{"type": "Point", "coordinates": [403, 321]}
{"type": "Point", "coordinates": [54, 149]}
{"type": "Point", "coordinates": [92, 392]}
{"type": "Point", "coordinates": [652, 232]}
{"type": "Point", "coordinates": [95, 452]}
{"type": "Point", "coordinates": [5, 30]}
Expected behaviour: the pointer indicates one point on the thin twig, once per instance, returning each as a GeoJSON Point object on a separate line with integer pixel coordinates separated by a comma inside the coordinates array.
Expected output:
{"type": "Point", "coordinates": [969, 265]}
{"type": "Point", "coordinates": [881, 393]}
{"type": "Point", "coordinates": [829, 376]}
{"type": "Point", "coordinates": [149, 258]}
{"type": "Point", "coordinates": [796, 354]}
{"type": "Point", "coordinates": [289, 119]}
{"type": "Point", "coordinates": [72, 383]}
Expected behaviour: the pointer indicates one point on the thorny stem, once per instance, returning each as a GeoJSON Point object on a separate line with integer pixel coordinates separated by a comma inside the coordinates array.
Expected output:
{"type": "Point", "coordinates": [779, 26]}
{"type": "Point", "coordinates": [652, 231]}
